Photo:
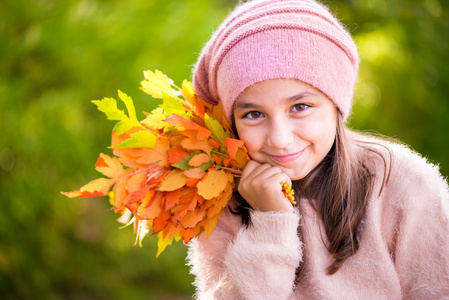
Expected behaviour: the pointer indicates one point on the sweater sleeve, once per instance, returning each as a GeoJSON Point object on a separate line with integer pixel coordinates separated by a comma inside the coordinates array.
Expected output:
{"type": "Point", "coordinates": [422, 243]}
{"type": "Point", "coordinates": [258, 262]}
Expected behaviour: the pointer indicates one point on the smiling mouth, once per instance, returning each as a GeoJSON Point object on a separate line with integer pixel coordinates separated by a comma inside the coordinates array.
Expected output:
{"type": "Point", "coordinates": [287, 158]}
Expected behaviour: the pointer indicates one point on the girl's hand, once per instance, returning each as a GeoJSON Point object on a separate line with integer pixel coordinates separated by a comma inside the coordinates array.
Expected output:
{"type": "Point", "coordinates": [260, 186]}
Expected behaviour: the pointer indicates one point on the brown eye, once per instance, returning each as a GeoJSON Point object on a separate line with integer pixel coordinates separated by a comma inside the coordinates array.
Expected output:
{"type": "Point", "coordinates": [300, 107]}
{"type": "Point", "coordinates": [253, 115]}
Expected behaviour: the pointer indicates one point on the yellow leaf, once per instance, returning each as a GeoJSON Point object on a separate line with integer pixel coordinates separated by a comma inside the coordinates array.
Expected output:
{"type": "Point", "coordinates": [97, 187]}
{"type": "Point", "coordinates": [220, 202]}
{"type": "Point", "coordinates": [210, 224]}
{"type": "Point", "coordinates": [156, 83]}
{"type": "Point", "coordinates": [163, 242]}
{"type": "Point", "coordinates": [213, 183]}
{"type": "Point", "coordinates": [173, 181]}
{"type": "Point", "coordinates": [155, 119]}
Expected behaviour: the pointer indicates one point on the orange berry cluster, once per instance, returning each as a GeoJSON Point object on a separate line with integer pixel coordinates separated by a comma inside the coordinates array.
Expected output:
{"type": "Point", "coordinates": [288, 192]}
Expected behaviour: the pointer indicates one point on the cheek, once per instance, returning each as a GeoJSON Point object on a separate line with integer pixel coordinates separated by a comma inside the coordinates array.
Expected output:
{"type": "Point", "coordinates": [320, 134]}
{"type": "Point", "coordinates": [251, 137]}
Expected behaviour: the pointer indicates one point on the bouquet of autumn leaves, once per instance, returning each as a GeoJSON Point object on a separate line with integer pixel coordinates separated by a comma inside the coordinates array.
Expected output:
{"type": "Point", "coordinates": [173, 172]}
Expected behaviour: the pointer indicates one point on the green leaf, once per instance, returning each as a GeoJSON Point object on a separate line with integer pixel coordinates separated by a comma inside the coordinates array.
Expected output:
{"type": "Point", "coordinates": [141, 139]}
{"type": "Point", "coordinates": [172, 106]}
{"type": "Point", "coordinates": [124, 125]}
{"type": "Point", "coordinates": [183, 164]}
{"type": "Point", "coordinates": [109, 107]}
{"type": "Point", "coordinates": [205, 166]}
{"type": "Point", "coordinates": [129, 105]}
{"type": "Point", "coordinates": [218, 132]}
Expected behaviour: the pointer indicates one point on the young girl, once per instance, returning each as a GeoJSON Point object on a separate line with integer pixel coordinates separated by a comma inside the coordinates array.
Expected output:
{"type": "Point", "coordinates": [371, 219]}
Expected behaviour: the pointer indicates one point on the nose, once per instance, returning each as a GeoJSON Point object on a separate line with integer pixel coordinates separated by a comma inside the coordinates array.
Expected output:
{"type": "Point", "coordinates": [280, 133]}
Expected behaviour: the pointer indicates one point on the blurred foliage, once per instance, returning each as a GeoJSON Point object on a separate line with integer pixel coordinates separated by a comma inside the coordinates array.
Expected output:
{"type": "Point", "coordinates": [56, 56]}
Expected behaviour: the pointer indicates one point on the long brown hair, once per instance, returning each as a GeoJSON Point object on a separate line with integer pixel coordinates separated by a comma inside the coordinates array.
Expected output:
{"type": "Point", "coordinates": [338, 189]}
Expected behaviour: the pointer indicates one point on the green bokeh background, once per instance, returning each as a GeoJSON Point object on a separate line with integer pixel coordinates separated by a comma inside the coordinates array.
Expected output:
{"type": "Point", "coordinates": [56, 56]}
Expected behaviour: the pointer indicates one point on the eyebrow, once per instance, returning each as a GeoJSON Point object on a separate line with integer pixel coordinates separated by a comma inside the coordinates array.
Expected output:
{"type": "Point", "coordinates": [251, 105]}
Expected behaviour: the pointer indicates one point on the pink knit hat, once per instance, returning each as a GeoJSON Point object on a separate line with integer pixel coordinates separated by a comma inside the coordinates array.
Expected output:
{"type": "Point", "coordinates": [268, 39]}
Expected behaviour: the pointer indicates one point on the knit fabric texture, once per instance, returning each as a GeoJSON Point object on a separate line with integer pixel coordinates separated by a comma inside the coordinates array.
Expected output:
{"type": "Point", "coordinates": [269, 39]}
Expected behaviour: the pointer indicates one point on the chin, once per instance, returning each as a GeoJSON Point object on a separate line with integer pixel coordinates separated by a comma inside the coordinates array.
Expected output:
{"type": "Point", "coordinates": [294, 175]}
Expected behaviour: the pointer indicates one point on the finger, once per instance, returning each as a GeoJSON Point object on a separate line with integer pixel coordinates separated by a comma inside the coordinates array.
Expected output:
{"type": "Point", "coordinates": [280, 177]}
{"type": "Point", "coordinates": [254, 169]}
{"type": "Point", "coordinates": [250, 167]}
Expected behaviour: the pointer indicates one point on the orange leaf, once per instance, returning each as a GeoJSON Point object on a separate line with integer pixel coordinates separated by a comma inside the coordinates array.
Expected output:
{"type": "Point", "coordinates": [158, 154]}
{"type": "Point", "coordinates": [171, 199]}
{"type": "Point", "coordinates": [182, 124]}
{"type": "Point", "coordinates": [210, 223]}
{"type": "Point", "coordinates": [161, 221]}
{"type": "Point", "coordinates": [136, 182]}
{"type": "Point", "coordinates": [110, 167]}
{"type": "Point", "coordinates": [220, 202]}
{"type": "Point", "coordinates": [176, 140]}
{"type": "Point", "coordinates": [192, 144]}
{"type": "Point", "coordinates": [192, 182]}
{"type": "Point", "coordinates": [215, 144]}
{"type": "Point", "coordinates": [139, 194]}
{"type": "Point", "coordinates": [186, 234]}
{"type": "Point", "coordinates": [176, 154]}
{"type": "Point", "coordinates": [188, 195]}
{"type": "Point", "coordinates": [241, 158]}
{"type": "Point", "coordinates": [232, 146]}
{"type": "Point", "coordinates": [196, 173]}
{"type": "Point", "coordinates": [217, 159]}
{"type": "Point", "coordinates": [179, 212]}
{"type": "Point", "coordinates": [153, 210]}
{"type": "Point", "coordinates": [199, 159]}
{"type": "Point", "coordinates": [226, 161]}
{"type": "Point", "coordinates": [192, 218]}
{"type": "Point", "coordinates": [170, 230]}
{"type": "Point", "coordinates": [120, 194]}
{"type": "Point", "coordinates": [97, 187]}
{"type": "Point", "coordinates": [173, 181]}
{"type": "Point", "coordinates": [212, 184]}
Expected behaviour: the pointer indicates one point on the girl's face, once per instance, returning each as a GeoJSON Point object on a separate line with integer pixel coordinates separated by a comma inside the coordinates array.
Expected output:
{"type": "Point", "coordinates": [286, 123]}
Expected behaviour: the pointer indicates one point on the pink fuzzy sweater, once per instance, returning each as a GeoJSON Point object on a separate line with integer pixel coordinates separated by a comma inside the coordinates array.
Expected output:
{"type": "Point", "coordinates": [403, 254]}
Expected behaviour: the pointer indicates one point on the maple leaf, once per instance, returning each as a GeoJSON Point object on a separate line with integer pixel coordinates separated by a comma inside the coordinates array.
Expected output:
{"type": "Point", "coordinates": [156, 83]}
{"type": "Point", "coordinates": [109, 107]}
{"type": "Point", "coordinates": [182, 124]}
{"type": "Point", "coordinates": [155, 119]}
{"type": "Point", "coordinates": [109, 166]}
{"type": "Point", "coordinates": [141, 139]}
{"type": "Point", "coordinates": [172, 106]}
{"type": "Point", "coordinates": [163, 242]}
{"type": "Point", "coordinates": [172, 172]}
{"type": "Point", "coordinates": [97, 187]}
{"type": "Point", "coordinates": [232, 146]}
